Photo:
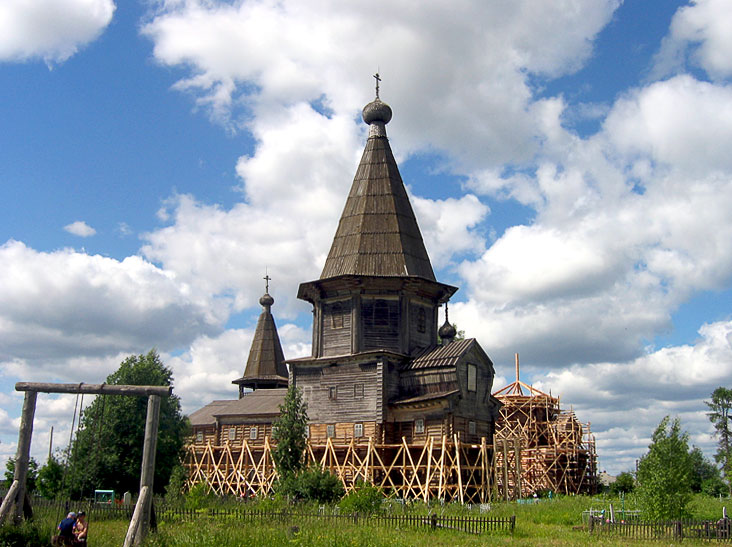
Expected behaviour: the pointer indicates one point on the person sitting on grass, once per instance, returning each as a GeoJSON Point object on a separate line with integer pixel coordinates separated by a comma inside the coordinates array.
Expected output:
{"type": "Point", "coordinates": [81, 529]}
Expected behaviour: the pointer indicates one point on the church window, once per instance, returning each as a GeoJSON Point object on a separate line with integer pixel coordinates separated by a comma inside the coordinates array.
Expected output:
{"type": "Point", "coordinates": [419, 426]}
{"type": "Point", "coordinates": [253, 432]}
{"type": "Point", "coordinates": [472, 377]}
{"type": "Point", "coordinates": [330, 431]}
{"type": "Point", "coordinates": [471, 428]}
{"type": "Point", "coordinates": [333, 393]}
{"type": "Point", "coordinates": [199, 436]}
{"type": "Point", "coordinates": [336, 316]}
{"type": "Point", "coordinates": [358, 391]}
{"type": "Point", "coordinates": [232, 433]}
{"type": "Point", "coordinates": [358, 430]}
{"type": "Point", "coordinates": [421, 320]}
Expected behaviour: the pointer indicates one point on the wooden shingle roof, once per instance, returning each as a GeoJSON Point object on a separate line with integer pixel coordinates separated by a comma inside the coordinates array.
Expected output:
{"type": "Point", "coordinates": [378, 233]}
{"type": "Point", "coordinates": [266, 362]}
{"type": "Point", "coordinates": [441, 356]}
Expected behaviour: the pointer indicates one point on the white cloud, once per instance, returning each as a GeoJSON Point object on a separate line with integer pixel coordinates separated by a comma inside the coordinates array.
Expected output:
{"type": "Point", "coordinates": [700, 32]}
{"type": "Point", "coordinates": [80, 228]}
{"type": "Point", "coordinates": [626, 401]}
{"type": "Point", "coordinates": [66, 304]}
{"type": "Point", "coordinates": [52, 30]}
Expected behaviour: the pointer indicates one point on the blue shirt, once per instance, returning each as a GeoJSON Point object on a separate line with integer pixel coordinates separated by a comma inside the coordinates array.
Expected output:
{"type": "Point", "coordinates": [66, 528]}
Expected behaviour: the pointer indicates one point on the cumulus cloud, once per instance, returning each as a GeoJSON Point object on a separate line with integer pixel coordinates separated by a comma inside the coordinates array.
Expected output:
{"type": "Point", "coordinates": [699, 34]}
{"type": "Point", "coordinates": [51, 30]}
{"type": "Point", "coordinates": [67, 304]}
{"type": "Point", "coordinates": [80, 228]}
{"type": "Point", "coordinates": [626, 401]}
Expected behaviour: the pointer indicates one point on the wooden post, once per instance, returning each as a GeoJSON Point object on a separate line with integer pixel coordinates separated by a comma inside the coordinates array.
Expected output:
{"type": "Point", "coordinates": [141, 520]}
{"type": "Point", "coordinates": [14, 504]}
{"type": "Point", "coordinates": [517, 458]}
{"type": "Point", "coordinates": [505, 469]}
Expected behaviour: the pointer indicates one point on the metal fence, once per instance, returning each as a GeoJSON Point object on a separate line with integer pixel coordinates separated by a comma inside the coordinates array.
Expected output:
{"type": "Point", "coordinates": [164, 512]}
{"type": "Point", "coordinates": [678, 530]}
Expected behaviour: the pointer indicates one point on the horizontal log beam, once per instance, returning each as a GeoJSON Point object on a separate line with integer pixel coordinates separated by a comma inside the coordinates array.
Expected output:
{"type": "Point", "coordinates": [97, 389]}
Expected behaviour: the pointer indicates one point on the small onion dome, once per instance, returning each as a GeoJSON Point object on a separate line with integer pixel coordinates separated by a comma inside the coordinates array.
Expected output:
{"type": "Point", "coordinates": [377, 111]}
{"type": "Point", "coordinates": [447, 332]}
{"type": "Point", "coordinates": [266, 300]}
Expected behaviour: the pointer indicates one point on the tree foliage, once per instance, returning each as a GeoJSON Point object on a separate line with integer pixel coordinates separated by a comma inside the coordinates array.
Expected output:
{"type": "Point", "coordinates": [665, 473]}
{"type": "Point", "coordinates": [50, 479]}
{"type": "Point", "coordinates": [31, 478]}
{"type": "Point", "coordinates": [107, 451]}
{"type": "Point", "coordinates": [289, 431]}
{"type": "Point", "coordinates": [624, 483]}
{"type": "Point", "coordinates": [720, 412]}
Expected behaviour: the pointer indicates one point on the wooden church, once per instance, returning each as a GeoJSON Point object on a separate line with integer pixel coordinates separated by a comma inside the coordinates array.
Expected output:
{"type": "Point", "coordinates": [381, 371]}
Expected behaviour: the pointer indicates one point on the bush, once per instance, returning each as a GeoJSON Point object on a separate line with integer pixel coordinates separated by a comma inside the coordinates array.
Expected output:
{"type": "Point", "coordinates": [364, 498]}
{"type": "Point", "coordinates": [312, 484]}
{"type": "Point", "coordinates": [27, 534]}
{"type": "Point", "coordinates": [197, 497]}
{"type": "Point", "coordinates": [624, 483]}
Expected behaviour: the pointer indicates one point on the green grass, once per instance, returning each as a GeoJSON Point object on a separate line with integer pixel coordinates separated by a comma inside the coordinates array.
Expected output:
{"type": "Point", "coordinates": [549, 522]}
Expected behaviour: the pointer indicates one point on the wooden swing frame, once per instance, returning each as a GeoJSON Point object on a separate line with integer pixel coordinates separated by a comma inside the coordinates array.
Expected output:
{"type": "Point", "coordinates": [17, 495]}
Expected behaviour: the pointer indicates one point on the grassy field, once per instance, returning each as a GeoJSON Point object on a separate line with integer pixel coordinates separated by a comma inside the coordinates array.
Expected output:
{"type": "Point", "coordinates": [549, 522]}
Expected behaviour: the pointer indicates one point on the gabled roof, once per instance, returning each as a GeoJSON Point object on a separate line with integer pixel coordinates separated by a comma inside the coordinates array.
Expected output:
{"type": "Point", "coordinates": [378, 233]}
{"type": "Point", "coordinates": [205, 415]}
{"type": "Point", "coordinates": [256, 403]}
{"type": "Point", "coordinates": [266, 363]}
{"type": "Point", "coordinates": [442, 356]}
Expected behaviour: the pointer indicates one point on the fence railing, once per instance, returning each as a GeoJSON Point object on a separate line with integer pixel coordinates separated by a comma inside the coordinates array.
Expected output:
{"type": "Point", "coordinates": [164, 512]}
{"type": "Point", "coordinates": [706, 530]}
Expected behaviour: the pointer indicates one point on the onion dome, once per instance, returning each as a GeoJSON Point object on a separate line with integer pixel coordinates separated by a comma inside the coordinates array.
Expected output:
{"type": "Point", "coordinates": [376, 111]}
{"type": "Point", "coordinates": [447, 331]}
{"type": "Point", "coordinates": [266, 301]}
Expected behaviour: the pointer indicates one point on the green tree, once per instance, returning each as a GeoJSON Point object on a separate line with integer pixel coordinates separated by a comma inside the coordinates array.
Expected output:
{"type": "Point", "coordinates": [289, 432]}
{"type": "Point", "coordinates": [702, 470]}
{"type": "Point", "coordinates": [664, 473]}
{"type": "Point", "coordinates": [50, 479]}
{"type": "Point", "coordinates": [107, 451]}
{"type": "Point", "coordinates": [31, 478]}
{"type": "Point", "coordinates": [624, 483]}
{"type": "Point", "coordinates": [720, 411]}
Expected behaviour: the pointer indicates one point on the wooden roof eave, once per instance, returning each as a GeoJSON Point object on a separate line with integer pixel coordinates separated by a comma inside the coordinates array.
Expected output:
{"type": "Point", "coordinates": [314, 291]}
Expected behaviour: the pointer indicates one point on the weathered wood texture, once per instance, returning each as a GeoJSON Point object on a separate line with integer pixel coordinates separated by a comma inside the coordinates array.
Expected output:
{"type": "Point", "coordinates": [97, 389]}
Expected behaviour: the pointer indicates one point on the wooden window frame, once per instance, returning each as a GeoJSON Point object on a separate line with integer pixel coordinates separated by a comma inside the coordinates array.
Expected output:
{"type": "Point", "coordinates": [199, 436]}
{"type": "Point", "coordinates": [471, 368]}
{"type": "Point", "coordinates": [472, 428]}
{"type": "Point", "coordinates": [419, 426]}
{"type": "Point", "coordinates": [232, 434]}
{"type": "Point", "coordinates": [330, 431]}
{"type": "Point", "coordinates": [337, 319]}
{"type": "Point", "coordinates": [253, 433]}
{"type": "Point", "coordinates": [358, 430]}
{"type": "Point", "coordinates": [333, 393]}
{"type": "Point", "coordinates": [358, 391]}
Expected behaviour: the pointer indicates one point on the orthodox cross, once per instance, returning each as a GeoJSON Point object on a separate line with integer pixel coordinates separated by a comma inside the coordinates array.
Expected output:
{"type": "Point", "coordinates": [267, 279]}
{"type": "Point", "coordinates": [376, 76]}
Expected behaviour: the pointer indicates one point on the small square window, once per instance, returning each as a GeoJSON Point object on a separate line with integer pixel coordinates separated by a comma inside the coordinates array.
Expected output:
{"type": "Point", "coordinates": [419, 426]}
{"type": "Point", "coordinates": [330, 431]}
{"type": "Point", "coordinates": [199, 436]}
{"type": "Point", "coordinates": [358, 430]}
{"type": "Point", "coordinates": [471, 428]}
{"type": "Point", "coordinates": [307, 431]}
{"type": "Point", "coordinates": [333, 393]}
{"type": "Point", "coordinates": [358, 391]}
{"type": "Point", "coordinates": [253, 432]}
{"type": "Point", "coordinates": [232, 433]}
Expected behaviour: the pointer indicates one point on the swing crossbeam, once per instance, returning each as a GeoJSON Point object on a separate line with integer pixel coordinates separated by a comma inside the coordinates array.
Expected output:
{"type": "Point", "coordinates": [14, 500]}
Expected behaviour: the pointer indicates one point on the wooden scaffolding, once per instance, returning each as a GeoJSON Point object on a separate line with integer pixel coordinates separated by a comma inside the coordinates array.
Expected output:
{"type": "Point", "coordinates": [556, 452]}
{"type": "Point", "coordinates": [440, 468]}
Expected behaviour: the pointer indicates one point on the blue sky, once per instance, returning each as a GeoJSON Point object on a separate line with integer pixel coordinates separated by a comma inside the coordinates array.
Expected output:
{"type": "Point", "coordinates": [567, 164]}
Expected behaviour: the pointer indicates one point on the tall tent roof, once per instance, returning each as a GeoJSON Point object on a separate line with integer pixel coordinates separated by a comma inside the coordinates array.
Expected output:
{"type": "Point", "coordinates": [266, 364]}
{"type": "Point", "coordinates": [378, 233]}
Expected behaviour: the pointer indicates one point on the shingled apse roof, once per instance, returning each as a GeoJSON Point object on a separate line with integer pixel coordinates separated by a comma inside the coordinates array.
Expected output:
{"type": "Point", "coordinates": [378, 233]}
